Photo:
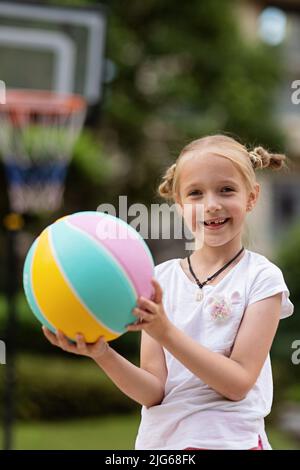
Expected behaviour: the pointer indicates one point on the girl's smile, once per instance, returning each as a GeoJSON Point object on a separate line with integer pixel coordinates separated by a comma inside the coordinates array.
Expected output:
{"type": "Point", "coordinates": [215, 185]}
{"type": "Point", "coordinates": [216, 225]}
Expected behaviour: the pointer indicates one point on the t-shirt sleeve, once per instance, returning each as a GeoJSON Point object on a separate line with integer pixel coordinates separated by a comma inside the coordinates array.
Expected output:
{"type": "Point", "coordinates": [158, 273]}
{"type": "Point", "coordinates": [269, 281]}
{"type": "Point", "coordinates": [161, 275]}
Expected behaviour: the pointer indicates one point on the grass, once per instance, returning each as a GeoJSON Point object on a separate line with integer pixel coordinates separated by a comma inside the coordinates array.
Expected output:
{"type": "Point", "coordinates": [109, 433]}
{"type": "Point", "coordinates": [281, 441]}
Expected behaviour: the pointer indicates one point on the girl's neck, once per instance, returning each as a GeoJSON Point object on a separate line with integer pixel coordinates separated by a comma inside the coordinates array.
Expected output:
{"type": "Point", "coordinates": [217, 255]}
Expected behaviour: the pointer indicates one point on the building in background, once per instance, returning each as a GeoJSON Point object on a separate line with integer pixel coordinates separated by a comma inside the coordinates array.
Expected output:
{"type": "Point", "coordinates": [277, 23]}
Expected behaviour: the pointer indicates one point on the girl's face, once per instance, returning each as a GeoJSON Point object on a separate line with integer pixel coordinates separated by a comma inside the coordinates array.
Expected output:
{"type": "Point", "coordinates": [211, 187]}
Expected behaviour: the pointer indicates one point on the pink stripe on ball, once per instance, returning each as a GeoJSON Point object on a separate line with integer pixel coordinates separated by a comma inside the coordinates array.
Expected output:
{"type": "Point", "coordinates": [124, 243]}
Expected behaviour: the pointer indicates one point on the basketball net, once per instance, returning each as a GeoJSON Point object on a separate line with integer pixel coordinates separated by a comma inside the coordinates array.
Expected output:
{"type": "Point", "coordinates": [38, 130]}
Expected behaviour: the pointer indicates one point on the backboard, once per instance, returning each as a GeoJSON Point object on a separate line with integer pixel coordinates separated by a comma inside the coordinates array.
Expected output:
{"type": "Point", "coordinates": [53, 48]}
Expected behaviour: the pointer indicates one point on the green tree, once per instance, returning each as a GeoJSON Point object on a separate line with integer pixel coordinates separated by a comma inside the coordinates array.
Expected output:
{"type": "Point", "coordinates": [182, 70]}
{"type": "Point", "coordinates": [288, 258]}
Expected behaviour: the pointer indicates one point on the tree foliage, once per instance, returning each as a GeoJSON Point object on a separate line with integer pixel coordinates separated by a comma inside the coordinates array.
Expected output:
{"type": "Point", "coordinates": [288, 258]}
{"type": "Point", "coordinates": [183, 70]}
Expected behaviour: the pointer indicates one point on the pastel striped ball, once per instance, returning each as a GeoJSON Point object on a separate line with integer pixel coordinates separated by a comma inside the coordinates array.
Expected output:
{"type": "Point", "coordinates": [84, 273]}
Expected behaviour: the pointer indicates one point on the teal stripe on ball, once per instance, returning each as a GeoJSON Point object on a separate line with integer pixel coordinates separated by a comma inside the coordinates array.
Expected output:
{"type": "Point", "coordinates": [134, 233]}
{"type": "Point", "coordinates": [99, 282]}
{"type": "Point", "coordinates": [28, 288]}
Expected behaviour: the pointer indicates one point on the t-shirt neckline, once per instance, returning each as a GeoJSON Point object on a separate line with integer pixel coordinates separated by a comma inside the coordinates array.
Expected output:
{"type": "Point", "coordinates": [189, 282]}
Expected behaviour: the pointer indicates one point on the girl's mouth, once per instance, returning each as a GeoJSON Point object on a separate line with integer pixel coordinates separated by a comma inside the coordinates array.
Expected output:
{"type": "Point", "coordinates": [215, 226]}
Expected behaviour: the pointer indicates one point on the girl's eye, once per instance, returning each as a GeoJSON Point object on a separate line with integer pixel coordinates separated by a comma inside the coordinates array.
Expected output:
{"type": "Point", "coordinates": [229, 189]}
{"type": "Point", "coordinates": [193, 193]}
{"type": "Point", "coordinates": [196, 192]}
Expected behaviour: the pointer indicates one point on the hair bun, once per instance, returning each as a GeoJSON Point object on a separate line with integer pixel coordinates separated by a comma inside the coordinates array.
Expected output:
{"type": "Point", "coordinates": [165, 189]}
{"type": "Point", "coordinates": [261, 158]}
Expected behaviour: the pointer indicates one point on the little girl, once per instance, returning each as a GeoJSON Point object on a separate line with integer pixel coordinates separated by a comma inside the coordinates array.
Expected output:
{"type": "Point", "coordinates": [205, 379]}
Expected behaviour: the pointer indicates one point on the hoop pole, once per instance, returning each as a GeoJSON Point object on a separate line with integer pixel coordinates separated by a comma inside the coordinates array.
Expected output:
{"type": "Point", "coordinates": [10, 338]}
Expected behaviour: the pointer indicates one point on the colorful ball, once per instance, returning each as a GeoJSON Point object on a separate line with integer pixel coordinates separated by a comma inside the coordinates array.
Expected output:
{"type": "Point", "coordinates": [84, 273]}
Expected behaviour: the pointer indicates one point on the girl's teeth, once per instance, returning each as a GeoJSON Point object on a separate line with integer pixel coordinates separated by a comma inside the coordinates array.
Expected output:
{"type": "Point", "coordinates": [220, 222]}
{"type": "Point", "coordinates": [215, 223]}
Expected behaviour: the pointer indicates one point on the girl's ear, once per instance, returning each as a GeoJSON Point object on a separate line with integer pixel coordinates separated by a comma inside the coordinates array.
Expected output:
{"type": "Point", "coordinates": [253, 197]}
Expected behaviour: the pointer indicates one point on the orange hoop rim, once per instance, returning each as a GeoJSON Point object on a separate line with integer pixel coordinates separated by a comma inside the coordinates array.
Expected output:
{"type": "Point", "coordinates": [42, 102]}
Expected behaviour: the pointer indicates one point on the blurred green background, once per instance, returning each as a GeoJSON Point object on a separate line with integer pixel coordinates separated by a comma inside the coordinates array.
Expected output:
{"type": "Point", "coordinates": [179, 71]}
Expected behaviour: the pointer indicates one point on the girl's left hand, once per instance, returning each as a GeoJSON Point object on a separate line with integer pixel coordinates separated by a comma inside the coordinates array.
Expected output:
{"type": "Point", "coordinates": [151, 314]}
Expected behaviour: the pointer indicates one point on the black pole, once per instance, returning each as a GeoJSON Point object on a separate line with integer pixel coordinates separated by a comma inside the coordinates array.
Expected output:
{"type": "Point", "coordinates": [11, 331]}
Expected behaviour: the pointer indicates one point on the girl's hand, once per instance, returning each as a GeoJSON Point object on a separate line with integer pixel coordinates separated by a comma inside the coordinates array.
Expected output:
{"type": "Point", "coordinates": [151, 314]}
{"type": "Point", "coordinates": [94, 350]}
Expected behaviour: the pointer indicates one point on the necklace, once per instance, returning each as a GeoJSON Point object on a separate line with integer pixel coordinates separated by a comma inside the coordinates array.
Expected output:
{"type": "Point", "coordinates": [200, 285]}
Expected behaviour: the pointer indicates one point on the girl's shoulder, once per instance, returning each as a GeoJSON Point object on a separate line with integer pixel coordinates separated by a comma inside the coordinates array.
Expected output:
{"type": "Point", "coordinates": [265, 279]}
{"type": "Point", "coordinates": [260, 263]}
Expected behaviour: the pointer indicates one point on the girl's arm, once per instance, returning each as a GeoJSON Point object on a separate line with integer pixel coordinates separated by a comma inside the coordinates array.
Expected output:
{"type": "Point", "coordinates": [232, 377]}
{"type": "Point", "coordinates": [141, 385]}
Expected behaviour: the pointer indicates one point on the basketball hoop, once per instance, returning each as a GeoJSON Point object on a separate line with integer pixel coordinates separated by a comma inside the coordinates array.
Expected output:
{"type": "Point", "coordinates": [38, 130]}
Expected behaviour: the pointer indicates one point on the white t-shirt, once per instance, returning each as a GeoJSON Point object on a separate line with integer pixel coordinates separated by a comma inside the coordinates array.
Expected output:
{"type": "Point", "coordinates": [192, 414]}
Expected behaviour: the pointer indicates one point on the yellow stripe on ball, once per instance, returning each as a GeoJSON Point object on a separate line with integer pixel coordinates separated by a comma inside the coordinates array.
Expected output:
{"type": "Point", "coordinates": [68, 314]}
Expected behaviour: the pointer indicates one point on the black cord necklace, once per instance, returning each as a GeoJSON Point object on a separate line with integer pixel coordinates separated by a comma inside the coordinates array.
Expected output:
{"type": "Point", "coordinates": [200, 285]}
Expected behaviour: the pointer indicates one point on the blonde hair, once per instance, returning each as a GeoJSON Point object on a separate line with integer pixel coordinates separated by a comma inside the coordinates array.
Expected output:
{"type": "Point", "coordinates": [246, 161]}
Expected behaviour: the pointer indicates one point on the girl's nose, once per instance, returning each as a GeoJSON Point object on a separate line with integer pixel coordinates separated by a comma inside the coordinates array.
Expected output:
{"type": "Point", "coordinates": [211, 204]}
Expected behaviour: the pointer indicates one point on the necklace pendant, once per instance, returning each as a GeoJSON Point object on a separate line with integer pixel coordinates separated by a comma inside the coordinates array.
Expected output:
{"type": "Point", "coordinates": [199, 295]}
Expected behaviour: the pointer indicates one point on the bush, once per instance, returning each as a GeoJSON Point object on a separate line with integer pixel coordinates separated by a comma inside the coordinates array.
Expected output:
{"type": "Point", "coordinates": [288, 259]}
{"type": "Point", "coordinates": [60, 388]}
{"type": "Point", "coordinates": [53, 385]}
{"type": "Point", "coordinates": [29, 337]}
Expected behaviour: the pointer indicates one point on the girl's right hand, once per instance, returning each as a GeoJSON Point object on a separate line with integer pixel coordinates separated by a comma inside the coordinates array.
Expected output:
{"type": "Point", "coordinates": [95, 350]}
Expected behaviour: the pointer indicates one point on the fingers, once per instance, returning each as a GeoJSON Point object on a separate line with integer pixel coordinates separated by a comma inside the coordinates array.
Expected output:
{"type": "Point", "coordinates": [148, 308]}
{"type": "Point", "coordinates": [100, 343]}
{"type": "Point", "coordinates": [158, 293]}
{"type": "Point", "coordinates": [142, 315]}
{"type": "Point", "coordinates": [50, 336]}
{"type": "Point", "coordinates": [147, 304]}
{"type": "Point", "coordinates": [99, 348]}
{"type": "Point", "coordinates": [59, 340]}
{"type": "Point", "coordinates": [96, 349]}
{"type": "Point", "coordinates": [81, 344]}
{"type": "Point", "coordinates": [64, 343]}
